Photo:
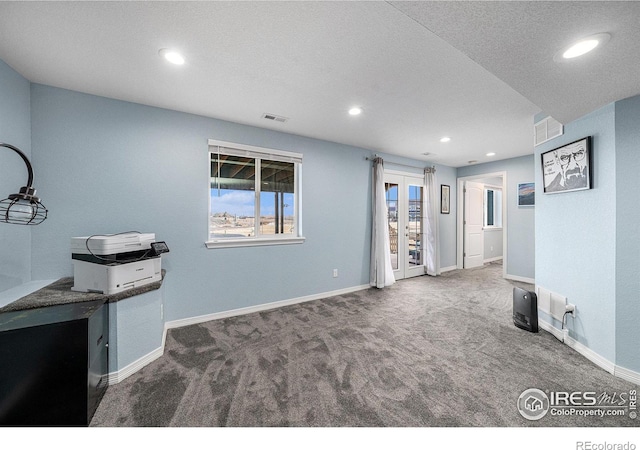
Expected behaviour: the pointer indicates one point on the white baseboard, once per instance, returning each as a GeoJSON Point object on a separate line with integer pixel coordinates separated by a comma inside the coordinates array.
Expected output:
{"type": "Point", "coordinates": [628, 375]}
{"type": "Point", "coordinates": [448, 269]}
{"type": "Point", "coordinates": [597, 359]}
{"type": "Point", "coordinates": [495, 258]}
{"type": "Point", "coordinates": [118, 376]}
{"type": "Point", "coordinates": [519, 278]}
{"type": "Point", "coordinates": [550, 329]}
{"type": "Point", "coordinates": [259, 308]}
{"type": "Point", "coordinates": [592, 356]}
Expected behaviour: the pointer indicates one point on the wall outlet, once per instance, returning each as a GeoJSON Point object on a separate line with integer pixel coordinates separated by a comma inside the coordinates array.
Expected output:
{"type": "Point", "coordinates": [572, 309]}
{"type": "Point", "coordinates": [335, 273]}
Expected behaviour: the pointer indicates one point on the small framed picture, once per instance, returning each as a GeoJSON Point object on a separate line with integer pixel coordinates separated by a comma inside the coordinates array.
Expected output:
{"type": "Point", "coordinates": [526, 194]}
{"type": "Point", "coordinates": [567, 168]}
{"type": "Point", "coordinates": [444, 199]}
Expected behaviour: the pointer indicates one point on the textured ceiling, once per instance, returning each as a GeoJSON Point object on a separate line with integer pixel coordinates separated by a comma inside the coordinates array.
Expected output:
{"type": "Point", "coordinates": [312, 61]}
{"type": "Point", "coordinates": [516, 41]}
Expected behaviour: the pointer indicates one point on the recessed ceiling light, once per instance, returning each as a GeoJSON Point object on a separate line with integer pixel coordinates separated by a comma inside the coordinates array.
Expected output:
{"type": "Point", "coordinates": [445, 139]}
{"type": "Point", "coordinates": [171, 56]}
{"type": "Point", "coordinates": [491, 154]}
{"type": "Point", "coordinates": [355, 111]}
{"type": "Point", "coordinates": [582, 46]}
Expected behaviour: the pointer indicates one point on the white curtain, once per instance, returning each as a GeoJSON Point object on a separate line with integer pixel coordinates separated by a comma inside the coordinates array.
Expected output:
{"type": "Point", "coordinates": [381, 270]}
{"type": "Point", "coordinates": [432, 262]}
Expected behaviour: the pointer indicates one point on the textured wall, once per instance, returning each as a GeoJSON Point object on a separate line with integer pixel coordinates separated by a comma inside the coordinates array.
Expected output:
{"type": "Point", "coordinates": [15, 129]}
{"type": "Point", "coordinates": [627, 113]}
{"type": "Point", "coordinates": [576, 236]}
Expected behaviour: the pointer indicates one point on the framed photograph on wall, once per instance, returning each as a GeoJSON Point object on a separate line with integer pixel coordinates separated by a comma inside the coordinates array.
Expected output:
{"type": "Point", "coordinates": [567, 168]}
{"type": "Point", "coordinates": [526, 194]}
{"type": "Point", "coordinates": [444, 199]}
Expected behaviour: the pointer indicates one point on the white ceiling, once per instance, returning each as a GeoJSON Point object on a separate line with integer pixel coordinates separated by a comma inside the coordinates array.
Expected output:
{"type": "Point", "coordinates": [312, 61]}
{"type": "Point", "coordinates": [517, 40]}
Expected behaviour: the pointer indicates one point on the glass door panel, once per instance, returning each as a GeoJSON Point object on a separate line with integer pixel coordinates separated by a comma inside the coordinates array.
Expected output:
{"type": "Point", "coordinates": [404, 196]}
{"type": "Point", "coordinates": [391, 195]}
{"type": "Point", "coordinates": [414, 227]}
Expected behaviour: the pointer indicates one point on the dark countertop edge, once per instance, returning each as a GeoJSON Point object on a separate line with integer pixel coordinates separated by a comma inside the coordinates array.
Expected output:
{"type": "Point", "coordinates": [59, 293]}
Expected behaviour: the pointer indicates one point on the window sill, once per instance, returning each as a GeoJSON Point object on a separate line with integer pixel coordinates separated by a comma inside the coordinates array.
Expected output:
{"type": "Point", "coordinates": [227, 243]}
{"type": "Point", "coordinates": [492, 228]}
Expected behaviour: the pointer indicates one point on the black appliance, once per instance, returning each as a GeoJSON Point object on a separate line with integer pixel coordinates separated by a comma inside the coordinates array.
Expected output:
{"type": "Point", "coordinates": [525, 309]}
{"type": "Point", "coordinates": [54, 364]}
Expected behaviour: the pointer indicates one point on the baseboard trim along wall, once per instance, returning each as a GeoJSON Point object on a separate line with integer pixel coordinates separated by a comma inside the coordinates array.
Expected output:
{"type": "Point", "coordinates": [519, 278]}
{"type": "Point", "coordinates": [118, 376]}
{"type": "Point", "coordinates": [597, 359]}
{"type": "Point", "coordinates": [448, 269]}
{"type": "Point", "coordinates": [628, 375]}
{"type": "Point", "coordinates": [259, 308]}
{"type": "Point", "coordinates": [495, 258]}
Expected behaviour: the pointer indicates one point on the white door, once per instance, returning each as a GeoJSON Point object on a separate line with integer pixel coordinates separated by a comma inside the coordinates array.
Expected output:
{"type": "Point", "coordinates": [473, 223]}
{"type": "Point", "coordinates": [404, 195]}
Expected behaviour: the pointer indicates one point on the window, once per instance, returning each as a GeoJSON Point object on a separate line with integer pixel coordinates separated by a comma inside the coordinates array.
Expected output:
{"type": "Point", "coordinates": [492, 208]}
{"type": "Point", "coordinates": [254, 196]}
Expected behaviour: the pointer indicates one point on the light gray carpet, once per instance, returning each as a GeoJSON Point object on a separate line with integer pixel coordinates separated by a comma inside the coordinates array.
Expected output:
{"type": "Point", "coordinates": [426, 352]}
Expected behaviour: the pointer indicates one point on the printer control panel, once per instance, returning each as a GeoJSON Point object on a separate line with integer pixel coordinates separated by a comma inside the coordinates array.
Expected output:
{"type": "Point", "coordinates": [157, 248]}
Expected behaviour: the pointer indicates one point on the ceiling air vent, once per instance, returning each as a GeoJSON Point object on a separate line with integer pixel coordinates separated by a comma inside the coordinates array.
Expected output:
{"type": "Point", "coordinates": [274, 117]}
{"type": "Point", "coordinates": [547, 129]}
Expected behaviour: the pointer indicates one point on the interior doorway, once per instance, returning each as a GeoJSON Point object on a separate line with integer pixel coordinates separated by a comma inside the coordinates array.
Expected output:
{"type": "Point", "coordinates": [404, 194]}
{"type": "Point", "coordinates": [482, 223]}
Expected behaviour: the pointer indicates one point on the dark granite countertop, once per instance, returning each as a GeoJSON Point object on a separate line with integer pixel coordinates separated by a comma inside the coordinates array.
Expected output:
{"type": "Point", "coordinates": [60, 293]}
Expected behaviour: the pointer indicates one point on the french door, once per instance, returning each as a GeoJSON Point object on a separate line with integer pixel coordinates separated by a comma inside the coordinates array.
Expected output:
{"type": "Point", "coordinates": [404, 195]}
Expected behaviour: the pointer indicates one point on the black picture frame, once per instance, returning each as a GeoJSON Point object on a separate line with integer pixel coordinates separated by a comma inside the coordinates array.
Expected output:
{"type": "Point", "coordinates": [445, 199]}
{"type": "Point", "coordinates": [567, 168]}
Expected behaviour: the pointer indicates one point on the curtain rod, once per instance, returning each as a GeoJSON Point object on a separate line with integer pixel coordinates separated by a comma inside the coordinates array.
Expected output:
{"type": "Point", "coordinates": [433, 168]}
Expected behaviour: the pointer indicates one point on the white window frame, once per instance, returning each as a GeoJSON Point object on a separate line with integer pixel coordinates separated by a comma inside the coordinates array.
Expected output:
{"type": "Point", "coordinates": [497, 207]}
{"type": "Point", "coordinates": [259, 153]}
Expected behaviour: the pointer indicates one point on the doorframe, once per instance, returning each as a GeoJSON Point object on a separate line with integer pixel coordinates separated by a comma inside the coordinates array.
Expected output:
{"type": "Point", "coordinates": [417, 176]}
{"type": "Point", "coordinates": [460, 218]}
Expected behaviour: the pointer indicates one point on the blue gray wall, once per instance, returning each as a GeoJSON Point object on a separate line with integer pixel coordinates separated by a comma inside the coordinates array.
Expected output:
{"type": "Point", "coordinates": [15, 129]}
{"type": "Point", "coordinates": [104, 166]}
{"type": "Point", "coordinates": [114, 166]}
{"type": "Point", "coordinates": [448, 254]}
{"type": "Point", "coordinates": [576, 236]}
{"type": "Point", "coordinates": [492, 244]}
{"type": "Point", "coordinates": [627, 231]}
{"type": "Point", "coordinates": [520, 219]}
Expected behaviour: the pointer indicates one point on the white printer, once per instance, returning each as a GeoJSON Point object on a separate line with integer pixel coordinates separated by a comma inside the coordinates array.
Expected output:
{"type": "Point", "coordinates": [109, 264]}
